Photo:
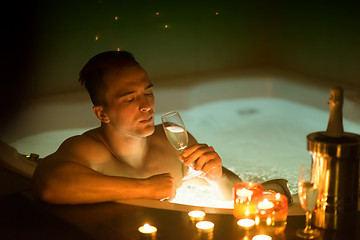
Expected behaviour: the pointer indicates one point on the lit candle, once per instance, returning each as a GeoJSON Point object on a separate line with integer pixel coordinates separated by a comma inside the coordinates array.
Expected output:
{"type": "Point", "coordinates": [196, 215]}
{"type": "Point", "coordinates": [261, 237]}
{"type": "Point", "coordinates": [147, 230]}
{"type": "Point", "coordinates": [265, 204]}
{"type": "Point", "coordinates": [271, 212]}
{"type": "Point", "coordinates": [243, 196]}
{"type": "Point", "coordinates": [246, 223]}
{"type": "Point", "coordinates": [244, 193]}
{"type": "Point", "coordinates": [205, 226]}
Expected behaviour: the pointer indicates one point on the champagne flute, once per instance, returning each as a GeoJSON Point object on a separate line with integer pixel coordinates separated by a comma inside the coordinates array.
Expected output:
{"type": "Point", "coordinates": [176, 133]}
{"type": "Point", "coordinates": [308, 193]}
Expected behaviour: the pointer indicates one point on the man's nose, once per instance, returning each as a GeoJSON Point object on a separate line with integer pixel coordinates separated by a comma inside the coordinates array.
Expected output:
{"type": "Point", "coordinates": [145, 105]}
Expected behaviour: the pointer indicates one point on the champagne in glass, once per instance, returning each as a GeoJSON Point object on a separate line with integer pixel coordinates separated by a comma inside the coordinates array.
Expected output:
{"type": "Point", "coordinates": [177, 135]}
{"type": "Point", "coordinates": [308, 193]}
{"type": "Point", "coordinates": [175, 130]}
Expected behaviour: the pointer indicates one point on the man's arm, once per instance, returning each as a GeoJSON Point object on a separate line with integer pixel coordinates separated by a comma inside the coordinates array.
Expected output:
{"type": "Point", "coordinates": [56, 180]}
{"type": "Point", "coordinates": [73, 183]}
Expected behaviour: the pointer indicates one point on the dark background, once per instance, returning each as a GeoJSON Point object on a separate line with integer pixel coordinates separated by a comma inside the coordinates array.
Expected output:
{"type": "Point", "coordinates": [46, 43]}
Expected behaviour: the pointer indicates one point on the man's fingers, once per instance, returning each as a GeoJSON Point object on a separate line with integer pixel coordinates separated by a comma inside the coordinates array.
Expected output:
{"type": "Point", "coordinates": [204, 159]}
{"type": "Point", "coordinates": [197, 153]}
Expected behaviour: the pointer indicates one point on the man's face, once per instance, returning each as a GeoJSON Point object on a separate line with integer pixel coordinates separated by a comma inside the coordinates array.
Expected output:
{"type": "Point", "coordinates": [130, 102]}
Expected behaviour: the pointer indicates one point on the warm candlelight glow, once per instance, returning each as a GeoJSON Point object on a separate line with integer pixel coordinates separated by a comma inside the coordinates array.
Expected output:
{"type": "Point", "coordinates": [244, 193]}
{"type": "Point", "coordinates": [268, 221]}
{"type": "Point", "coordinates": [196, 215]}
{"type": "Point", "coordinates": [246, 223]}
{"type": "Point", "coordinates": [205, 226]}
{"type": "Point", "coordinates": [261, 237]}
{"type": "Point", "coordinates": [147, 229]}
{"type": "Point", "coordinates": [265, 204]}
{"type": "Point", "coordinates": [247, 212]}
{"type": "Point", "coordinates": [271, 212]}
{"type": "Point", "coordinates": [277, 196]}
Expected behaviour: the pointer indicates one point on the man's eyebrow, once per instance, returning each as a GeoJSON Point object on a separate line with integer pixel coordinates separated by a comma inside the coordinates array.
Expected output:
{"type": "Point", "coordinates": [120, 95]}
{"type": "Point", "coordinates": [149, 86]}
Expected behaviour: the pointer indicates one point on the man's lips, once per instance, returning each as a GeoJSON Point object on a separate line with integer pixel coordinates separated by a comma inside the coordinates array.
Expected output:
{"type": "Point", "coordinates": [147, 120]}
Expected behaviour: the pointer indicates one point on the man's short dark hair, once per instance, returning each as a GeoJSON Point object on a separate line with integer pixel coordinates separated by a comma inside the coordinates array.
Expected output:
{"type": "Point", "coordinates": [92, 74]}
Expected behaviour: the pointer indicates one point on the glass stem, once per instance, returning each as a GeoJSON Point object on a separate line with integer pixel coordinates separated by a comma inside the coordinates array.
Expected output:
{"type": "Point", "coordinates": [308, 220]}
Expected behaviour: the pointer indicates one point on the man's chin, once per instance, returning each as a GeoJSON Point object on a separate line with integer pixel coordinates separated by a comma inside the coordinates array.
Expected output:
{"type": "Point", "coordinates": [148, 130]}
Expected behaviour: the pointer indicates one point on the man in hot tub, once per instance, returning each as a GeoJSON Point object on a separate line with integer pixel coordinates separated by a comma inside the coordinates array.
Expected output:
{"type": "Point", "coordinates": [127, 157]}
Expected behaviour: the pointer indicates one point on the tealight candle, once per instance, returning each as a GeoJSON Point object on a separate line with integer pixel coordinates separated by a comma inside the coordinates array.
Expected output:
{"type": "Point", "coordinates": [265, 204]}
{"type": "Point", "coordinates": [205, 226]}
{"type": "Point", "coordinates": [244, 193]}
{"type": "Point", "coordinates": [271, 212]}
{"type": "Point", "coordinates": [147, 230]}
{"type": "Point", "coordinates": [196, 215]}
{"type": "Point", "coordinates": [261, 237]}
{"type": "Point", "coordinates": [246, 223]}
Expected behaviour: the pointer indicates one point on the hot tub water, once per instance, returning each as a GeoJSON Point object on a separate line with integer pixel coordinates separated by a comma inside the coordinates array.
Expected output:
{"type": "Point", "coordinates": [257, 138]}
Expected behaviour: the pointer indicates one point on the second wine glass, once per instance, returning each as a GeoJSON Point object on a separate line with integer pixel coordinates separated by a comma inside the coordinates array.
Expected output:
{"type": "Point", "coordinates": [308, 193]}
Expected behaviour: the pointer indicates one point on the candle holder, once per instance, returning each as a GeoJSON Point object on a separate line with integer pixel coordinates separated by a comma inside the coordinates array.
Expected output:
{"type": "Point", "coordinates": [196, 216]}
{"type": "Point", "coordinates": [205, 230]}
{"type": "Point", "coordinates": [147, 232]}
{"type": "Point", "coordinates": [271, 213]}
{"type": "Point", "coordinates": [243, 195]}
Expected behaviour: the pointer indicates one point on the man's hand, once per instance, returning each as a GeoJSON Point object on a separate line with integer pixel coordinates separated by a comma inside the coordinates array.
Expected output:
{"type": "Point", "coordinates": [203, 158]}
{"type": "Point", "coordinates": [161, 186]}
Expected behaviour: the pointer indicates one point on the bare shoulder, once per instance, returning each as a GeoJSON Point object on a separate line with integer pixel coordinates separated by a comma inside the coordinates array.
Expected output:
{"type": "Point", "coordinates": [158, 135]}
{"type": "Point", "coordinates": [85, 148]}
{"type": "Point", "coordinates": [90, 137]}
{"type": "Point", "coordinates": [159, 141]}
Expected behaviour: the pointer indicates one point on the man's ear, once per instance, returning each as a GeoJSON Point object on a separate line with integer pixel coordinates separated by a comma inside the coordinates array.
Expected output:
{"type": "Point", "coordinates": [99, 112]}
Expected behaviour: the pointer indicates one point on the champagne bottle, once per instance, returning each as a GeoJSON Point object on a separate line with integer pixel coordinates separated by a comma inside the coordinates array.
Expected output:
{"type": "Point", "coordinates": [335, 125]}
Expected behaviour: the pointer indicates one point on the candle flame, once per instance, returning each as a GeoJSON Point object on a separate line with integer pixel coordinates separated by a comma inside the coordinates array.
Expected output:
{"type": "Point", "coordinates": [268, 221]}
{"type": "Point", "coordinates": [147, 229]}
{"type": "Point", "coordinates": [277, 195]}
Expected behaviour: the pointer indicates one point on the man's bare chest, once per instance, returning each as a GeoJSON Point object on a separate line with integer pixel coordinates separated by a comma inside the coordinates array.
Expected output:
{"type": "Point", "coordinates": [155, 162]}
